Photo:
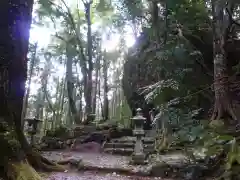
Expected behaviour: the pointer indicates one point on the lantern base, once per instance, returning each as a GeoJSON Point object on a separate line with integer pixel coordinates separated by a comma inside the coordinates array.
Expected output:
{"type": "Point", "coordinates": [139, 159]}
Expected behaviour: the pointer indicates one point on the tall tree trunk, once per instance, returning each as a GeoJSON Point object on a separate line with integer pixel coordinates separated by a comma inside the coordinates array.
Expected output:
{"type": "Point", "coordinates": [61, 101]}
{"type": "Point", "coordinates": [58, 100]}
{"type": "Point", "coordinates": [15, 21]}
{"type": "Point", "coordinates": [80, 105]}
{"type": "Point", "coordinates": [45, 74]}
{"type": "Point", "coordinates": [155, 18]}
{"type": "Point", "coordinates": [13, 68]}
{"type": "Point", "coordinates": [70, 86]}
{"type": "Point", "coordinates": [59, 93]}
{"type": "Point", "coordinates": [40, 101]}
{"type": "Point", "coordinates": [88, 88]}
{"type": "Point", "coordinates": [106, 89]}
{"type": "Point", "coordinates": [99, 97]}
{"type": "Point", "coordinates": [79, 102]}
{"type": "Point", "coordinates": [25, 100]}
{"type": "Point", "coordinates": [95, 89]}
{"type": "Point", "coordinates": [223, 106]}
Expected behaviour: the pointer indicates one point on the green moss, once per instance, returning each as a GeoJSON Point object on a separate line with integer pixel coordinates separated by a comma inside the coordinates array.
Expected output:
{"type": "Point", "coordinates": [43, 175]}
{"type": "Point", "coordinates": [22, 171]}
{"type": "Point", "coordinates": [58, 132]}
{"type": "Point", "coordinates": [10, 146]}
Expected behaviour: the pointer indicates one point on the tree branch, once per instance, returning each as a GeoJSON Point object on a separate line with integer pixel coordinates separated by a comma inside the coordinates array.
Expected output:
{"type": "Point", "coordinates": [75, 30]}
{"type": "Point", "coordinates": [232, 21]}
{"type": "Point", "coordinates": [47, 98]}
{"type": "Point", "coordinates": [60, 37]}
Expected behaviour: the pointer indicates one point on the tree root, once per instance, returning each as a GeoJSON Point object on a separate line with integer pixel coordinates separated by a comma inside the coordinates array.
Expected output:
{"type": "Point", "coordinates": [163, 144]}
{"type": "Point", "coordinates": [34, 157]}
{"type": "Point", "coordinates": [41, 163]}
{"type": "Point", "coordinates": [222, 110]}
{"type": "Point", "coordinates": [64, 162]}
{"type": "Point", "coordinates": [21, 171]}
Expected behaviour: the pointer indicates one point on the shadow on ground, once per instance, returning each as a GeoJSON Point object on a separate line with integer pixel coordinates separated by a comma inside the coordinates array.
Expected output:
{"type": "Point", "coordinates": [93, 175]}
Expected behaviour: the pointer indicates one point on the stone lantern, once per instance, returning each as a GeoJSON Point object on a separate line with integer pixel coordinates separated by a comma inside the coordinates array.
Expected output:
{"type": "Point", "coordinates": [138, 156]}
{"type": "Point", "coordinates": [33, 127]}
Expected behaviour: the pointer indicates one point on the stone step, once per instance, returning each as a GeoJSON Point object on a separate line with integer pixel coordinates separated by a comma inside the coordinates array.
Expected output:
{"type": "Point", "coordinates": [119, 151]}
{"type": "Point", "coordinates": [123, 141]}
{"type": "Point", "coordinates": [84, 133]}
{"type": "Point", "coordinates": [119, 145]}
{"type": "Point", "coordinates": [80, 138]}
{"type": "Point", "coordinates": [84, 130]}
{"type": "Point", "coordinates": [126, 145]}
{"type": "Point", "coordinates": [86, 127]}
{"type": "Point", "coordinates": [125, 151]}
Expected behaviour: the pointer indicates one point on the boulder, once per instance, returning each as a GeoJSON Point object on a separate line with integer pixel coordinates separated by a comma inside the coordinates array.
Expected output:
{"type": "Point", "coordinates": [75, 162]}
{"type": "Point", "coordinates": [161, 169]}
{"type": "Point", "coordinates": [51, 143]}
{"type": "Point", "coordinates": [172, 166]}
{"type": "Point", "coordinates": [60, 132]}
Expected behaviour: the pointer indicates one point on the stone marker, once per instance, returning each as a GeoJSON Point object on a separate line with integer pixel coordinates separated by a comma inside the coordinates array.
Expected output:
{"type": "Point", "coordinates": [138, 156]}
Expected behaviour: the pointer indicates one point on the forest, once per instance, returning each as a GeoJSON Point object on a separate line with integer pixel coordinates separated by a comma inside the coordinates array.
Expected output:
{"type": "Point", "coordinates": [92, 63]}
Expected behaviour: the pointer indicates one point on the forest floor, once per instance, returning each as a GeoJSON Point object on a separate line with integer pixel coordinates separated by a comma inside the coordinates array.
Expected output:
{"type": "Point", "coordinates": [94, 175]}
{"type": "Point", "coordinates": [107, 160]}
{"type": "Point", "coordinates": [99, 160]}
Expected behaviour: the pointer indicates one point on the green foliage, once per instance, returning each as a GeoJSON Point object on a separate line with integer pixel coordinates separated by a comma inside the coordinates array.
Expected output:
{"type": "Point", "coordinates": [59, 132]}
{"type": "Point", "coordinates": [133, 9]}
{"type": "Point", "coordinates": [217, 141]}
{"type": "Point", "coordinates": [211, 139]}
{"type": "Point", "coordinates": [161, 91]}
{"type": "Point", "coordinates": [122, 115]}
{"type": "Point", "coordinates": [182, 89]}
{"type": "Point", "coordinates": [10, 146]}
{"type": "Point", "coordinates": [104, 8]}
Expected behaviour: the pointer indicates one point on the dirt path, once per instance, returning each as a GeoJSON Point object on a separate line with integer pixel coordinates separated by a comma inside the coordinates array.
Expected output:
{"type": "Point", "coordinates": [104, 160]}
{"type": "Point", "coordinates": [99, 160]}
{"type": "Point", "coordinates": [94, 176]}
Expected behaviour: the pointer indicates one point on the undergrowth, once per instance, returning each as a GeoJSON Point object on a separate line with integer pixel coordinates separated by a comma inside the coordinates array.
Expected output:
{"type": "Point", "coordinates": [213, 144]}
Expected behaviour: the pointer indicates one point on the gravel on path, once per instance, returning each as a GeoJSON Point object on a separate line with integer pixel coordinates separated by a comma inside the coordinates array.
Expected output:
{"type": "Point", "coordinates": [94, 176]}
{"type": "Point", "coordinates": [100, 160]}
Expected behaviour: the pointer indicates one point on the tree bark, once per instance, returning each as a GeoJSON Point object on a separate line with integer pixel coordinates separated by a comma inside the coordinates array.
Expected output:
{"type": "Point", "coordinates": [26, 97]}
{"type": "Point", "coordinates": [14, 34]}
{"type": "Point", "coordinates": [61, 101]}
{"type": "Point", "coordinates": [70, 86]}
{"type": "Point", "coordinates": [88, 88]}
{"type": "Point", "coordinates": [223, 107]}
{"type": "Point", "coordinates": [45, 74]}
{"type": "Point", "coordinates": [15, 21]}
{"type": "Point", "coordinates": [105, 89]}
{"type": "Point", "coordinates": [95, 88]}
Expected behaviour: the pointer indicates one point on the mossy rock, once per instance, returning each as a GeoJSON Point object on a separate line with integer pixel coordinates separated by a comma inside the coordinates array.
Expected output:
{"type": "Point", "coordinates": [22, 171]}
{"type": "Point", "coordinates": [161, 169]}
{"type": "Point", "coordinates": [60, 132]}
{"type": "Point", "coordinates": [81, 165]}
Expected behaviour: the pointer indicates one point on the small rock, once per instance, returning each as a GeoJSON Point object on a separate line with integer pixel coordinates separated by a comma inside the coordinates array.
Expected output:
{"type": "Point", "coordinates": [75, 162]}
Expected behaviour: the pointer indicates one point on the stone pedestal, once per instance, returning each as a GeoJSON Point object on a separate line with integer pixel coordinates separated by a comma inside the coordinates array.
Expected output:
{"type": "Point", "coordinates": [138, 156]}
{"type": "Point", "coordinates": [33, 128]}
